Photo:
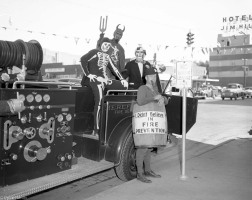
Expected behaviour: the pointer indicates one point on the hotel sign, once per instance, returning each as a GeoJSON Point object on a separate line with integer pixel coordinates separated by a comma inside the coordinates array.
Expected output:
{"type": "Point", "coordinates": [237, 23]}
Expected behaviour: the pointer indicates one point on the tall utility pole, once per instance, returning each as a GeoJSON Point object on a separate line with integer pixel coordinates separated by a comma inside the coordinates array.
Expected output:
{"type": "Point", "coordinates": [184, 104]}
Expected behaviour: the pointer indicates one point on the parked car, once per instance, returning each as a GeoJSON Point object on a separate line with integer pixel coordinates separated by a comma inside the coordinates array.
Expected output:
{"type": "Point", "coordinates": [248, 91]}
{"type": "Point", "coordinates": [219, 88]}
{"type": "Point", "coordinates": [233, 90]}
{"type": "Point", "coordinates": [207, 91]}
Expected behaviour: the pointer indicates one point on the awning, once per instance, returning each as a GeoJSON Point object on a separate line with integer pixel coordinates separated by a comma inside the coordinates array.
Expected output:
{"type": "Point", "coordinates": [207, 80]}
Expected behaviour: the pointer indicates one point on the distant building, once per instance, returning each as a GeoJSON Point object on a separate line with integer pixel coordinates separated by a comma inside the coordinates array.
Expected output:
{"type": "Point", "coordinates": [50, 56]}
{"type": "Point", "coordinates": [58, 70]}
{"type": "Point", "coordinates": [231, 62]}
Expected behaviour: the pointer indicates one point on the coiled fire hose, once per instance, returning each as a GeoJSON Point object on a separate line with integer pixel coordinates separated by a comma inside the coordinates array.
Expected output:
{"type": "Point", "coordinates": [11, 54]}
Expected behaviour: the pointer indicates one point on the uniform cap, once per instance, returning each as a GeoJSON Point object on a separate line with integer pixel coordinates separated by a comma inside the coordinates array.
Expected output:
{"type": "Point", "coordinates": [141, 49]}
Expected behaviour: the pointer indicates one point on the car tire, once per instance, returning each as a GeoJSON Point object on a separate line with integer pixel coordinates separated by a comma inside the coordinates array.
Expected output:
{"type": "Point", "coordinates": [126, 170]}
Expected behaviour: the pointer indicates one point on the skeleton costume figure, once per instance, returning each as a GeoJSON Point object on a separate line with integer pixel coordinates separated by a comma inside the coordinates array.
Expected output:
{"type": "Point", "coordinates": [95, 64]}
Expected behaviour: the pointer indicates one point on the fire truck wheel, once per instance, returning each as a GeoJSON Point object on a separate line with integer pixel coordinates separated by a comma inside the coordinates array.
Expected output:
{"type": "Point", "coordinates": [126, 170]}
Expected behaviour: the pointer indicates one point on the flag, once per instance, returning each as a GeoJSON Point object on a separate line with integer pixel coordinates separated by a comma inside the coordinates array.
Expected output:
{"type": "Point", "coordinates": [76, 39]}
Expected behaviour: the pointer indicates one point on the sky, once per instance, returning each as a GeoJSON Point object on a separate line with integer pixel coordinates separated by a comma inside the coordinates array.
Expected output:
{"type": "Point", "coordinates": [72, 26]}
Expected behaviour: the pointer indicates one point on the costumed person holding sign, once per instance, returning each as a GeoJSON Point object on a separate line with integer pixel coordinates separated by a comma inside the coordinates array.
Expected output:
{"type": "Point", "coordinates": [149, 124]}
{"type": "Point", "coordinates": [95, 64]}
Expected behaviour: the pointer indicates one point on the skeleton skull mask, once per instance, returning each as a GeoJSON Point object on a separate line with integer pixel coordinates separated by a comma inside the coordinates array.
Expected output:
{"type": "Point", "coordinates": [105, 46]}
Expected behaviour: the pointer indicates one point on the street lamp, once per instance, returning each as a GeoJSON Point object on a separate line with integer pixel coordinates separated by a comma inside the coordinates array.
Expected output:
{"type": "Point", "coordinates": [245, 69]}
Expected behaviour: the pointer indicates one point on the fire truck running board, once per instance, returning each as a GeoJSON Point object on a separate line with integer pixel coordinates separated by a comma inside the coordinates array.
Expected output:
{"type": "Point", "coordinates": [83, 168]}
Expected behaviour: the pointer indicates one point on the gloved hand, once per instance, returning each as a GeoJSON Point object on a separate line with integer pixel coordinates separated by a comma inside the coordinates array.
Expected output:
{"type": "Point", "coordinates": [21, 77]}
{"type": "Point", "coordinates": [16, 105]}
{"type": "Point", "coordinates": [92, 77]}
{"type": "Point", "coordinates": [157, 97]}
{"type": "Point", "coordinates": [5, 77]}
{"type": "Point", "coordinates": [125, 83]}
{"type": "Point", "coordinates": [161, 101]}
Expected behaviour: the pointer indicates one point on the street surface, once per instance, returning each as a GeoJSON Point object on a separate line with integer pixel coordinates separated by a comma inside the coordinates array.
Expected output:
{"type": "Point", "coordinates": [212, 128]}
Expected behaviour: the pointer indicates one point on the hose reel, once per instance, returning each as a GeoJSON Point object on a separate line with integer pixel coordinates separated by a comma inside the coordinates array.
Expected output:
{"type": "Point", "coordinates": [11, 54]}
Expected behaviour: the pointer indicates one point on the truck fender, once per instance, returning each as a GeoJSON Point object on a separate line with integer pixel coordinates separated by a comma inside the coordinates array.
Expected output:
{"type": "Point", "coordinates": [117, 139]}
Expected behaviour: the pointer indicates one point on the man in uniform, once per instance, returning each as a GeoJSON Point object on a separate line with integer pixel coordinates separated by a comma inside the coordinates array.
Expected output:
{"type": "Point", "coordinates": [135, 69]}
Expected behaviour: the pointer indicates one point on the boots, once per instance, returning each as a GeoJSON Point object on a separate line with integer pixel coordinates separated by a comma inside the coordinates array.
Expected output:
{"type": "Point", "coordinates": [142, 178]}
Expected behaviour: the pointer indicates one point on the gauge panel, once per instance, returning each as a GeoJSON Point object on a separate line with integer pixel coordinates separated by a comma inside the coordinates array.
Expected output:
{"type": "Point", "coordinates": [30, 98]}
{"type": "Point", "coordinates": [46, 98]}
{"type": "Point", "coordinates": [38, 98]}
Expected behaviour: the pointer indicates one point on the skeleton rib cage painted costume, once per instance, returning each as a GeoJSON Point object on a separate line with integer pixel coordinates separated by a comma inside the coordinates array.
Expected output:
{"type": "Point", "coordinates": [102, 60]}
{"type": "Point", "coordinates": [96, 62]}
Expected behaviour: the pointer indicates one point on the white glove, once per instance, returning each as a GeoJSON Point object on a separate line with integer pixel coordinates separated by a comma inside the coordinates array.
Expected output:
{"type": "Point", "coordinates": [161, 101]}
{"type": "Point", "coordinates": [125, 83]}
{"type": "Point", "coordinates": [20, 77]}
{"type": "Point", "coordinates": [16, 105]}
{"type": "Point", "coordinates": [5, 77]}
{"type": "Point", "coordinates": [92, 77]}
{"type": "Point", "coordinates": [158, 97]}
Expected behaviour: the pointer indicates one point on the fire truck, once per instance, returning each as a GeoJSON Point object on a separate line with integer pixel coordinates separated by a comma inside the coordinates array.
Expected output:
{"type": "Point", "coordinates": [50, 142]}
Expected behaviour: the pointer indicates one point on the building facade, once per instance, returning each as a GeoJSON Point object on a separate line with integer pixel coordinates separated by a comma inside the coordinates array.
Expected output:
{"type": "Point", "coordinates": [58, 70]}
{"type": "Point", "coordinates": [231, 61]}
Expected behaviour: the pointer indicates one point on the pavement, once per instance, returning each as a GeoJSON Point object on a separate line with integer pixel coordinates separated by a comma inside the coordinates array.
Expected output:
{"type": "Point", "coordinates": [218, 163]}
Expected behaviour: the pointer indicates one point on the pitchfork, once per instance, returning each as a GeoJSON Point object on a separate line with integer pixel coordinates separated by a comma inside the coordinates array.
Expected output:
{"type": "Point", "coordinates": [103, 24]}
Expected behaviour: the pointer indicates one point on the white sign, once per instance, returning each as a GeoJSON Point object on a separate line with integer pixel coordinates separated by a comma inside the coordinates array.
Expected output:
{"type": "Point", "coordinates": [184, 74]}
{"type": "Point", "coordinates": [55, 70]}
{"type": "Point", "coordinates": [150, 122]}
{"type": "Point", "coordinates": [237, 23]}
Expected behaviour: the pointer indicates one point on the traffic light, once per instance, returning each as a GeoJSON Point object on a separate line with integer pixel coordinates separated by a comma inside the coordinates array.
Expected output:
{"type": "Point", "coordinates": [190, 38]}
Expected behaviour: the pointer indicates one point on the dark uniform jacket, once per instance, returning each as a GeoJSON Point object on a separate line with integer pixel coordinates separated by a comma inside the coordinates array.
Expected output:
{"type": "Point", "coordinates": [135, 79]}
{"type": "Point", "coordinates": [132, 72]}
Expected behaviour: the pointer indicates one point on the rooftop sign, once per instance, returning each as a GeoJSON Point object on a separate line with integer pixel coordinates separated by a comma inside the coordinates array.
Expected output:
{"type": "Point", "coordinates": [237, 23]}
